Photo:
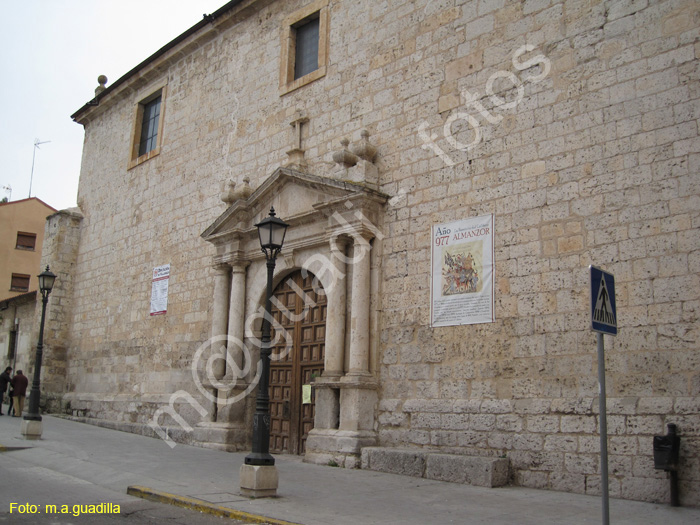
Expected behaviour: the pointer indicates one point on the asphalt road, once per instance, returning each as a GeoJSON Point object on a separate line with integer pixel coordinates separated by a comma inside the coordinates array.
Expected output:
{"type": "Point", "coordinates": [27, 490]}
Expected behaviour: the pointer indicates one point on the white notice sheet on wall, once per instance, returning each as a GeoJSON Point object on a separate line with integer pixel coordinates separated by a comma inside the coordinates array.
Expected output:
{"type": "Point", "coordinates": [462, 284]}
{"type": "Point", "coordinates": [159, 289]}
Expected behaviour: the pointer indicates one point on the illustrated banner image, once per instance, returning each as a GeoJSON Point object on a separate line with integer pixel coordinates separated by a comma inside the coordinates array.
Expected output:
{"type": "Point", "coordinates": [159, 289]}
{"type": "Point", "coordinates": [462, 284]}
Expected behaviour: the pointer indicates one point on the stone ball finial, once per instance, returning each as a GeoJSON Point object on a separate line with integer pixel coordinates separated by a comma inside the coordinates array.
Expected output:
{"type": "Point", "coordinates": [227, 192]}
{"type": "Point", "coordinates": [364, 148]}
{"type": "Point", "coordinates": [344, 156]}
{"type": "Point", "coordinates": [244, 190]}
{"type": "Point", "coordinates": [101, 80]}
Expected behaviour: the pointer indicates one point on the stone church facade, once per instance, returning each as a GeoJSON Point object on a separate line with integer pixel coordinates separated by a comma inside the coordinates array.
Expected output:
{"type": "Point", "coordinates": [574, 123]}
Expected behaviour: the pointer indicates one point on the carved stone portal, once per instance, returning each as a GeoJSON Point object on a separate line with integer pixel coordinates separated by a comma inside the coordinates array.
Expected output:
{"type": "Point", "coordinates": [335, 234]}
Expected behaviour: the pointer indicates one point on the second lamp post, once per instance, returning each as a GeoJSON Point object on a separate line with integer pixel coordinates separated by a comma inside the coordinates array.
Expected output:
{"type": "Point", "coordinates": [271, 232]}
{"type": "Point", "coordinates": [31, 425]}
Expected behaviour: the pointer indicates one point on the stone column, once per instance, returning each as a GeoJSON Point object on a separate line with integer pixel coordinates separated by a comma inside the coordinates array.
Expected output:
{"type": "Point", "coordinates": [359, 320]}
{"type": "Point", "coordinates": [345, 408]}
{"type": "Point", "coordinates": [335, 317]}
{"type": "Point", "coordinates": [228, 428]}
{"type": "Point", "coordinates": [219, 325]}
{"type": "Point", "coordinates": [236, 316]}
{"type": "Point", "coordinates": [231, 411]}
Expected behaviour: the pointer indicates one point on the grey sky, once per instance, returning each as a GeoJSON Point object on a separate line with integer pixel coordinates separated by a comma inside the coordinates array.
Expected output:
{"type": "Point", "coordinates": [53, 52]}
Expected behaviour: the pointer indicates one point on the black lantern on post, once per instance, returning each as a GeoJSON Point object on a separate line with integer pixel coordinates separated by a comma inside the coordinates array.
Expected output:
{"type": "Point", "coordinates": [46, 282]}
{"type": "Point", "coordinates": [271, 232]}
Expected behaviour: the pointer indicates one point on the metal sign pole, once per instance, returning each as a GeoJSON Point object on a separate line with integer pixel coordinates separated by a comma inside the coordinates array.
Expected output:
{"type": "Point", "coordinates": [603, 431]}
{"type": "Point", "coordinates": [603, 321]}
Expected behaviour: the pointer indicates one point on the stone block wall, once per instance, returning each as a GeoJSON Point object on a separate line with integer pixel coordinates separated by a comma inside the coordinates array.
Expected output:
{"type": "Point", "coordinates": [60, 249]}
{"type": "Point", "coordinates": [587, 154]}
{"type": "Point", "coordinates": [595, 162]}
{"type": "Point", "coordinates": [455, 468]}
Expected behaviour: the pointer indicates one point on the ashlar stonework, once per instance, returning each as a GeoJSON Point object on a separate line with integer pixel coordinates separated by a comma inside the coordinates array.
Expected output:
{"type": "Point", "coordinates": [574, 122]}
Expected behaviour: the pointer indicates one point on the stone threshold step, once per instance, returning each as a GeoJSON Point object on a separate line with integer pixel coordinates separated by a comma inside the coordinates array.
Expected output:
{"type": "Point", "coordinates": [472, 470]}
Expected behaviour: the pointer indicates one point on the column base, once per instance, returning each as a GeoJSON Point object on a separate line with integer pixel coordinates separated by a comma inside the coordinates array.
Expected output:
{"type": "Point", "coordinates": [222, 436]}
{"type": "Point", "coordinates": [31, 428]}
{"type": "Point", "coordinates": [338, 447]}
{"type": "Point", "coordinates": [358, 404]}
{"type": "Point", "coordinates": [354, 376]}
{"type": "Point", "coordinates": [236, 406]}
{"type": "Point", "coordinates": [258, 481]}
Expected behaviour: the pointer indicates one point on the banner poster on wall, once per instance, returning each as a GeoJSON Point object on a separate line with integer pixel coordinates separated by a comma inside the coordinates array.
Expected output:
{"type": "Point", "coordinates": [159, 289]}
{"type": "Point", "coordinates": [462, 283]}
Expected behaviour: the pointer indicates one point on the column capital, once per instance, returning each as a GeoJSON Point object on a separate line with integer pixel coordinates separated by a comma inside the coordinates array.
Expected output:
{"type": "Point", "coordinates": [356, 230]}
{"type": "Point", "coordinates": [221, 267]}
{"type": "Point", "coordinates": [338, 243]}
{"type": "Point", "coordinates": [239, 265]}
{"type": "Point", "coordinates": [362, 239]}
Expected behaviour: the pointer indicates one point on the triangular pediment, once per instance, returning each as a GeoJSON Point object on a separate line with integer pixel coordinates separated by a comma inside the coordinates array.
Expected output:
{"type": "Point", "coordinates": [297, 197]}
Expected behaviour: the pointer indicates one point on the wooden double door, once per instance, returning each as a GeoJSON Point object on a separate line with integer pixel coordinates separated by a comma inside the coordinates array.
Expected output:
{"type": "Point", "coordinates": [297, 357]}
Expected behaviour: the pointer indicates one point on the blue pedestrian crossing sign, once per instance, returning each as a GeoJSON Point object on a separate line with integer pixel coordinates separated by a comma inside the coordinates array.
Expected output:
{"type": "Point", "coordinates": [603, 310]}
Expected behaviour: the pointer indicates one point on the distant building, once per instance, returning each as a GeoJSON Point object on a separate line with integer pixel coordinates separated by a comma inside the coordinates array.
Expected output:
{"type": "Point", "coordinates": [21, 237]}
{"type": "Point", "coordinates": [409, 144]}
{"type": "Point", "coordinates": [17, 331]}
{"type": "Point", "coordinates": [22, 225]}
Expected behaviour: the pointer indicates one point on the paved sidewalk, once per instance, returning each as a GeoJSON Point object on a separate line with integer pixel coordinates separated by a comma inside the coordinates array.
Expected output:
{"type": "Point", "coordinates": [308, 494]}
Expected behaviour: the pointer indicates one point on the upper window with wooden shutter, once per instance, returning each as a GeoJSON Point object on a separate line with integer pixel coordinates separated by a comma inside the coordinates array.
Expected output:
{"type": "Point", "coordinates": [20, 282]}
{"type": "Point", "coordinates": [26, 241]}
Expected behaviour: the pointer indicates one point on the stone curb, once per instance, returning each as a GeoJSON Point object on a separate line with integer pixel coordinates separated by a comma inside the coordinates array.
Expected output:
{"type": "Point", "coordinates": [201, 506]}
{"type": "Point", "coordinates": [10, 449]}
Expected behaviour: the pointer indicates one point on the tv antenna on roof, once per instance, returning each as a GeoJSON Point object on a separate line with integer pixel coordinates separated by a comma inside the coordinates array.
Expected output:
{"type": "Point", "coordinates": [36, 146]}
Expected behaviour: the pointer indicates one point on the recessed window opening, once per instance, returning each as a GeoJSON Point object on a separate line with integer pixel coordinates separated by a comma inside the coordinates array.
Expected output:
{"type": "Point", "coordinates": [149, 126]}
{"type": "Point", "coordinates": [306, 56]}
{"type": "Point", "coordinates": [304, 46]}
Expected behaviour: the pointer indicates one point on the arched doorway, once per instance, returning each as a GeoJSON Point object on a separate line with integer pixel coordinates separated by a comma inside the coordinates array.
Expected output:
{"type": "Point", "coordinates": [297, 358]}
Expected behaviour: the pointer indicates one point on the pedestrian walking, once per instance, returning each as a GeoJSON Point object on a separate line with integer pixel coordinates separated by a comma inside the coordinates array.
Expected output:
{"type": "Point", "coordinates": [11, 402]}
{"type": "Point", "coordinates": [19, 385]}
{"type": "Point", "coordinates": [4, 381]}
